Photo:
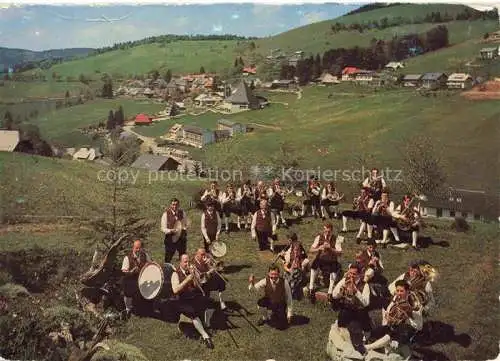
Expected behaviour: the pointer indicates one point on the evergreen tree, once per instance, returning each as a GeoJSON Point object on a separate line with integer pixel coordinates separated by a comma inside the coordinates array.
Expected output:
{"type": "Point", "coordinates": [202, 70]}
{"type": "Point", "coordinates": [8, 121]}
{"type": "Point", "coordinates": [110, 124]}
{"type": "Point", "coordinates": [168, 76]}
{"type": "Point", "coordinates": [119, 116]}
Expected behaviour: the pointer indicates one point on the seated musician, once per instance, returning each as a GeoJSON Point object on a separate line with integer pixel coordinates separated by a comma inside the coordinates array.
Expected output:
{"type": "Point", "coordinates": [276, 196]}
{"type": "Point", "coordinates": [213, 195]}
{"type": "Point", "coordinates": [190, 301]}
{"type": "Point", "coordinates": [329, 201]}
{"type": "Point", "coordinates": [419, 285]}
{"type": "Point", "coordinates": [210, 225]}
{"type": "Point", "coordinates": [400, 321]}
{"type": "Point", "coordinates": [325, 261]}
{"type": "Point", "coordinates": [213, 281]}
{"type": "Point", "coordinates": [295, 263]}
{"type": "Point", "coordinates": [382, 217]}
{"type": "Point", "coordinates": [228, 200]}
{"type": "Point", "coordinates": [371, 262]}
{"type": "Point", "coordinates": [352, 294]}
{"type": "Point", "coordinates": [375, 183]}
{"type": "Point", "coordinates": [244, 197]}
{"type": "Point", "coordinates": [362, 207]}
{"type": "Point", "coordinates": [264, 226]}
{"type": "Point", "coordinates": [131, 267]}
{"type": "Point", "coordinates": [277, 298]}
{"type": "Point", "coordinates": [410, 217]}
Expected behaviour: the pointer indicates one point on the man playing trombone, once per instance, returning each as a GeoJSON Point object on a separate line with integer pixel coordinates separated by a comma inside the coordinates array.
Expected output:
{"type": "Point", "coordinates": [210, 278]}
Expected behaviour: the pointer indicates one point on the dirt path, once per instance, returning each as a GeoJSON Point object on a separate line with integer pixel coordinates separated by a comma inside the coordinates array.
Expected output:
{"type": "Point", "coordinates": [273, 127]}
{"type": "Point", "coordinates": [148, 141]}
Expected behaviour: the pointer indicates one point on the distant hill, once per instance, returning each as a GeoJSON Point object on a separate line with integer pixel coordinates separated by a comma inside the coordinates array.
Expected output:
{"type": "Point", "coordinates": [10, 57]}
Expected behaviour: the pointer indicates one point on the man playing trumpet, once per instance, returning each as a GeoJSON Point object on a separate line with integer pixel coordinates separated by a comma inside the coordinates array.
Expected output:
{"type": "Point", "coordinates": [277, 298]}
{"type": "Point", "coordinates": [400, 321]}
{"type": "Point", "coordinates": [295, 262]}
{"type": "Point", "coordinates": [211, 279]}
{"type": "Point", "coordinates": [213, 195]}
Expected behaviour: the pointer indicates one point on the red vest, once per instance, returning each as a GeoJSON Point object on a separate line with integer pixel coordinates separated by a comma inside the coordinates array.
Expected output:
{"type": "Point", "coordinates": [173, 217]}
{"type": "Point", "coordinates": [211, 223]}
{"type": "Point", "coordinates": [278, 294]}
{"type": "Point", "coordinates": [263, 224]}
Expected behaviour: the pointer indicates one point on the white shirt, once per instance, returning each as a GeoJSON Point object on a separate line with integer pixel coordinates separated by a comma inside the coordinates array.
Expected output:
{"type": "Point", "coordinates": [176, 285]}
{"type": "Point", "coordinates": [364, 297]}
{"type": "Point", "coordinates": [226, 198]}
{"type": "Point", "coordinates": [164, 227]}
{"type": "Point", "coordinates": [207, 193]}
{"type": "Point", "coordinates": [416, 320]}
{"type": "Point", "coordinates": [288, 292]}
{"type": "Point", "coordinates": [203, 228]}
{"type": "Point", "coordinates": [324, 193]}
{"type": "Point", "coordinates": [254, 222]}
{"type": "Point", "coordinates": [428, 290]}
{"type": "Point", "coordinates": [126, 264]}
{"type": "Point", "coordinates": [366, 182]}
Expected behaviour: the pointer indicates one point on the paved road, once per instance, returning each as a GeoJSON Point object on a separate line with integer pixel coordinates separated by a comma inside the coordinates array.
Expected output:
{"type": "Point", "coordinates": [148, 141]}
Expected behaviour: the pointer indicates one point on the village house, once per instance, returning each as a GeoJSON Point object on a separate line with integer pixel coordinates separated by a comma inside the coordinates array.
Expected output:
{"type": "Point", "coordinates": [459, 81]}
{"type": "Point", "coordinates": [434, 81]}
{"type": "Point", "coordinates": [284, 84]}
{"type": "Point", "coordinates": [175, 133]}
{"type": "Point", "coordinates": [221, 135]}
{"type": "Point", "coordinates": [364, 76]}
{"type": "Point", "coordinates": [412, 80]}
{"type": "Point", "coordinates": [494, 37]}
{"type": "Point", "coordinates": [9, 140]}
{"type": "Point", "coordinates": [231, 127]}
{"type": "Point", "coordinates": [328, 79]}
{"type": "Point", "coordinates": [394, 65]}
{"type": "Point", "coordinates": [155, 163]}
{"type": "Point", "coordinates": [490, 53]}
{"type": "Point", "coordinates": [143, 119]}
{"type": "Point", "coordinates": [196, 136]}
{"type": "Point", "coordinates": [207, 100]}
{"type": "Point", "coordinates": [469, 204]}
{"type": "Point", "coordinates": [241, 99]}
{"type": "Point", "coordinates": [249, 70]}
{"type": "Point", "coordinates": [349, 73]}
{"type": "Point", "coordinates": [87, 154]}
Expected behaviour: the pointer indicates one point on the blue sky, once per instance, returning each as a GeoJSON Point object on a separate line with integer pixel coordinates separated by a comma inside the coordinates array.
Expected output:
{"type": "Point", "coordinates": [41, 27]}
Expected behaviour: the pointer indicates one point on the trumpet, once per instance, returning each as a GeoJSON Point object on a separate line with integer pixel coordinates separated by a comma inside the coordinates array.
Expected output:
{"type": "Point", "coordinates": [198, 278]}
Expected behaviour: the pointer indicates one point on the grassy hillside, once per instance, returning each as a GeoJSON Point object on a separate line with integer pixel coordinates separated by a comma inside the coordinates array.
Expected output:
{"type": "Point", "coordinates": [10, 57]}
{"type": "Point", "coordinates": [348, 122]}
{"type": "Point", "coordinates": [16, 91]}
{"type": "Point", "coordinates": [48, 187]}
{"type": "Point", "coordinates": [188, 56]}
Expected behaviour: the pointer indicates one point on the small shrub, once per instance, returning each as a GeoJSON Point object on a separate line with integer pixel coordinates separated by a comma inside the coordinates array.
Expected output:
{"type": "Point", "coordinates": [119, 351]}
{"type": "Point", "coordinates": [460, 225]}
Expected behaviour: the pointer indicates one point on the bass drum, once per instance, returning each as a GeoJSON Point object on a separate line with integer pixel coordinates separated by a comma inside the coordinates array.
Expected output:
{"type": "Point", "coordinates": [151, 280]}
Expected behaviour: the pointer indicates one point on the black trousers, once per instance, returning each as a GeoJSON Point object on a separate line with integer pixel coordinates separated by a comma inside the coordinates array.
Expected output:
{"type": "Point", "coordinates": [278, 311]}
{"type": "Point", "coordinates": [383, 222]}
{"type": "Point", "coordinates": [192, 307]}
{"type": "Point", "coordinates": [212, 239]}
{"type": "Point", "coordinates": [363, 215]}
{"type": "Point", "coordinates": [214, 283]}
{"type": "Point", "coordinates": [263, 239]}
{"type": "Point", "coordinates": [171, 247]}
{"type": "Point", "coordinates": [130, 285]}
{"type": "Point", "coordinates": [356, 321]}
{"type": "Point", "coordinates": [402, 333]}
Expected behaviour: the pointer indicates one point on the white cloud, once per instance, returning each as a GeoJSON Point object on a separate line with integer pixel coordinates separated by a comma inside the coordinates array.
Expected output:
{"type": "Point", "coordinates": [217, 28]}
{"type": "Point", "coordinates": [313, 17]}
{"type": "Point", "coordinates": [235, 16]}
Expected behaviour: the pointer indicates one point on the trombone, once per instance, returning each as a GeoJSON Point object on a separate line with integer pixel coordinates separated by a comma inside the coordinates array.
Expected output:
{"type": "Point", "coordinates": [213, 264]}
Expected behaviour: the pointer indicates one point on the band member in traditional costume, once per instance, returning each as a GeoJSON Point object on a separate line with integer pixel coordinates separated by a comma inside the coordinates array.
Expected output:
{"type": "Point", "coordinates": [264, 226]}
{"type": "Point", "coordinates": [400, 321]}
{"type": "Point", "coordinates": [131, 267]}
{"type": "Point", "coordinates": [382, 217]}
{"type": "Point", "coordinates": [190, 301]}
{"type": "Point", "coordinates": [313, 193]}
{"type": "Point", "coordinates": [375, 183]}
{"type": "Point", "coordinates": [213, 195]}
{"type": "Point", "coordinates": [362, 207]}
{"type": "Point", "coordinates": [295, 262]}
{"type": "Point", "coordinates": [353, 295]}
{"type": "Point", "coordinates": [420, 284]}
{"type": "Point", "coordinates": [260, 192]}
{"type": "Point", "coordinates": [277, 298]}
{"type": "Point", "coordinates": [326, 260]}
{"type": "Point", "coordinates": [408, 217]}
{"type": "Point", "coordinates": [329, 201]}
{"type": "Point", "coordinates": [276, 195]}
{"type": "Point", "coordinates": [372, 263]}
{"type": "Point", "coordinates": [210, 225]}
{"type": "Point", "coordinates": [244, 197]}
{"type": "Point", "coordinates": [229, 205]}
{"type": "Point", "coordinates": [168, 222]}
{"type": "Point", "coordinates": [212, 281]}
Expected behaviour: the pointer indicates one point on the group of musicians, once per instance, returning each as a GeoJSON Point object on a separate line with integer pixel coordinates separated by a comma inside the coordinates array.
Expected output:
{"type": "Point", "coordinates": [261, 210]}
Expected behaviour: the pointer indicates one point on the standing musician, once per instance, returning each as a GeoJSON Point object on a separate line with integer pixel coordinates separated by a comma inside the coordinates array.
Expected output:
{"type": "Point", "coordinates": [325, 261]}
{"type": "Point", "coordinates": [277, 298]}
{"type": "Point", "coordinates": [212, 281]}
{"type": "Point", "coordinates": [382, 217]}
{"type": "Point", "coordinates": [168, 221]}
{"type": "Point", "coordinates": [244, 197]}
{"type": "Point", "coordinates": [264, 226]}
{"type": "Point", "coordinates": [375, 183]}
{"type": "Point", "coordinates": [329, 198]}
{"type": "Point", "coordinates": [313, 193]}
{"type": "Point", "coordinates": [213, 195]}
{"type": "Point", "coordinates": [276, 196]}
{"type": "Point", "coordinates": [189, 300]}
{"type": "Point", "coordinates": [362, 207]}
{"type": "Point", "coordinates": [131, 267]}
{"type": "Point", "coordinates": [210, 225]}
{"type": "Point", "coordinates": [260, 193]}
{"type": "Point", "coordinates": [408, 215]}
{"type": "Point", "coordinates": [353, 295]}
{"type": "Point", "coordinates": [295, 263]}
{"type": "Point", "coordinates": [400, 321]}
{"type": "Point", "coordinates": [420, 286]}
{"type": "Point", "coordinates": [229, 206]}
